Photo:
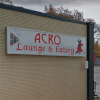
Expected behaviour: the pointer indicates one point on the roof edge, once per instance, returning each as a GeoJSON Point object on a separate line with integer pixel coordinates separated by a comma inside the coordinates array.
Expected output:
{"type": "Point", "coordinates": [24, 10]}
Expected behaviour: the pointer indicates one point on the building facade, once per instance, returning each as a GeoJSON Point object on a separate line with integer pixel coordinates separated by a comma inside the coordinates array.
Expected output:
{"type": "Point", "coordinates": [39, 77]}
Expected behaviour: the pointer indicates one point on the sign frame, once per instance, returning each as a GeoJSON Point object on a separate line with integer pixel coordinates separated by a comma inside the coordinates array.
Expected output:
{"type": "Point", "coordinates": [56, 36]}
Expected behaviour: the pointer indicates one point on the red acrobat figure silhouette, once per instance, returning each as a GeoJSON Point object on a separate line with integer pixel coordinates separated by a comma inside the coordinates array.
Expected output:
{"type": "Point", "coordinates": [79, 49]}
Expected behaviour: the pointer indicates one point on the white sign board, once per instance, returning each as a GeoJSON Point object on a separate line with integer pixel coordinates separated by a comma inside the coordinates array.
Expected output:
{"type": "Point", "coordinates": [33, 42]}
{"type": "Point", "coordinates": [86, 64]}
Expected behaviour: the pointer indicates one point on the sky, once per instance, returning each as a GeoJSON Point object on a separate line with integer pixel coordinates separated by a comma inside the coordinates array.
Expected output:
{"type": "Point", "coordinates": [90, 8]}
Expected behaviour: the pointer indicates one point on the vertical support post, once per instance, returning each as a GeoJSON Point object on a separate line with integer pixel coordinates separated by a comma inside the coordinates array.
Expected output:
{"type": "Point", "coordinates": [90, 58]}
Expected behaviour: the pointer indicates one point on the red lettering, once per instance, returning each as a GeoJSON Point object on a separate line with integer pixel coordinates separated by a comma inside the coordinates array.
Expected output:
{"type": "Point", "coordinates": [35, 48]}
{"type": "Point", "coordinates": [57, 48]}
{"type": "Point", "coordinates": [60, 50]}
{"type": "Point", "coordinates": [43, 39]}
{"type": "Point", "coordinates": [43, 49]}
{"type": "Point", "coordinates": [25, 47]}
{"type": "Point", "coordinates": [39, 49]}
{"type": "Point", "coordinates": [50, 49]}
{"type": "Point", "coordinates": [64, 50]}
{"type": "Point", "coordinates": [68, 50]}
{"type": "Point", "coordinates": [30, 48]}
{"type": "Point", "coordinates": [37, 38]}
{"type": "Point", "coordinates": [50, 39]}
{"type": "Point", "coordinates": [18, 46]}
{"type": "Point", "coordinates": [55, 40]}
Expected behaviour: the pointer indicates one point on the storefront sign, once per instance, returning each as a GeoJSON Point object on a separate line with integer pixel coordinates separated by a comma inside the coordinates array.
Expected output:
{"type": "Point", "coordinates": [32, 42]}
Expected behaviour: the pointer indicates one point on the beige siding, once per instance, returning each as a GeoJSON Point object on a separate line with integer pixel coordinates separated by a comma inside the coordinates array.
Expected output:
{"type": "Point", "coordinates": [40, 77]}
